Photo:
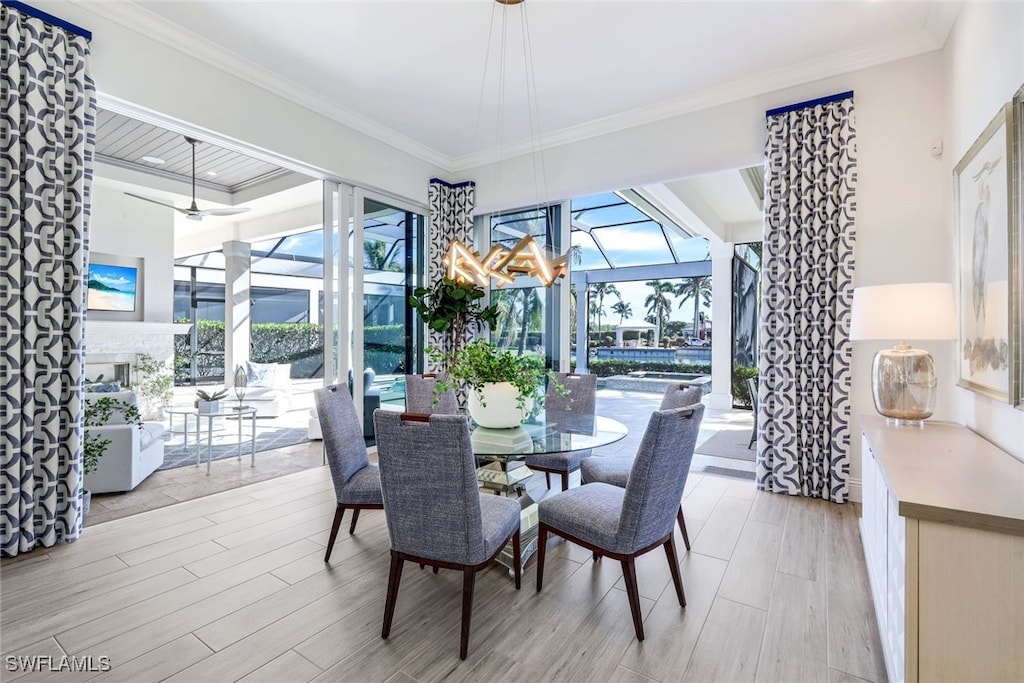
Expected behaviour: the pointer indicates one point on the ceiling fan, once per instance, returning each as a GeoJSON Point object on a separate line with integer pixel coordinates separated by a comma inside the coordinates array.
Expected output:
{"type": "Point", "coordinates": [193, 212]}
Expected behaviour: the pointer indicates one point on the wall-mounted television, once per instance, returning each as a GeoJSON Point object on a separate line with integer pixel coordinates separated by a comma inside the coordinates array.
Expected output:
{"type": "Point", "coordinates": [112, 288]}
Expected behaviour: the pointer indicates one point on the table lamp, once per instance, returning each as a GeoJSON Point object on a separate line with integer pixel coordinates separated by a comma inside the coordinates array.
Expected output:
{"type": "Point", "coordinates": [903, 378]}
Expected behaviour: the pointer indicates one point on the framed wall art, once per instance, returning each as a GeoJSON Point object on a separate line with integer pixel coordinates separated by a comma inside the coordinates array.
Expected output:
{"type": "Point", "coordinates": [987, 270]}
{"type": "Point", "coordinates": [1017, 251]}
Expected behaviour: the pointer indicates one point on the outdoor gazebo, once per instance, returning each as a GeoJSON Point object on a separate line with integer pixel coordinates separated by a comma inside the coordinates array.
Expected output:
{"type": "Point", "coordinates": [635, 325]}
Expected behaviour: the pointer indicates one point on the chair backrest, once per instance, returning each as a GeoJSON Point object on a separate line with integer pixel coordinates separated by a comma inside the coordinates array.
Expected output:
{"type": "Point", "coordinates": [428, 479]}
{"type": "Point", "coordinates": [580, 398]}
{"type": "Point", "coordinates": [679, 395]}
{"type": "Point", "coordinates": [752, 388]}
{"type": "Point", "coordinates": [656, 482]}
{"type": "Point", "coordinates": [419, 396]}
{"type": "Point", "coordinates": [343, 433]}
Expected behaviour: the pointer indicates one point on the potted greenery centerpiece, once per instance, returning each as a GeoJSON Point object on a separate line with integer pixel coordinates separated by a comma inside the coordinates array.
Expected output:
{"type": "Point", "coordinates": [209, 403]}
{"type": "Point", "coordinates": [504, 387]}
{"type": "Point", "coordinates": [98, 412]}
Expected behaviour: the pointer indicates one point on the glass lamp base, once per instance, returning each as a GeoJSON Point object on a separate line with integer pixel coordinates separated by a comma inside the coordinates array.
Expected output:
{"type": "Point", "coordinates": [903, 384]}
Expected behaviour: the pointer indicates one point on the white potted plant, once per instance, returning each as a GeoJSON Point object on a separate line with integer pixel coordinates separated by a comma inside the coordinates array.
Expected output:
{"type": "Point", "coordinates": [504, 387]}
{"type": "Point", "coordinates": [209, 403]}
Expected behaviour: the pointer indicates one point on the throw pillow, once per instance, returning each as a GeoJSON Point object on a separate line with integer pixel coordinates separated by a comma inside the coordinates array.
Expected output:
{"type": "Point", "coordinates": [103, 387]}
{"type": "Point", "coordinates": [260, 374]}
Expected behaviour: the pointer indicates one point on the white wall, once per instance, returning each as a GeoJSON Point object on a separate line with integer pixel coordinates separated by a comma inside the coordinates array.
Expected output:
{"type": "Point", "coordinates": [135, 68]}
{"type": "Point", "coordinates": [123, 226]}
{"type": "Point", "coordinates": [984, 67]}
{"type": "Point", "coordinates": [903, 232]}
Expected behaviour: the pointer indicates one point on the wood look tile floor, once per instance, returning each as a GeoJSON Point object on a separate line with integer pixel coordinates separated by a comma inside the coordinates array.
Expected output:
{"type": "Point", "coordinates": [233, 587]}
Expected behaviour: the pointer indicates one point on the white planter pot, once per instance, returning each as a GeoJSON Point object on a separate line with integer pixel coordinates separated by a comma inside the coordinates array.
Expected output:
{"type": "Point", "coordinates": [498, 409]}
{"type": "Point", "coordinates": [208, 406]}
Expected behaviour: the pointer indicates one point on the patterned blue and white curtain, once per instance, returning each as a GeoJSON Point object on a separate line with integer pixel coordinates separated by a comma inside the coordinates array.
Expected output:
{"type": "Point", "coordinates": [48, 113]}
{"type": "Point", "coordinates": [807, 283]}
{"type": "Point", "coordinates": [451, 218]}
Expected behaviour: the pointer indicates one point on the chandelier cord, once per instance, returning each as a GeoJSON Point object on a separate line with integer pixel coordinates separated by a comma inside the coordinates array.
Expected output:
{"type": "Point", "coordinates": [536, 149]}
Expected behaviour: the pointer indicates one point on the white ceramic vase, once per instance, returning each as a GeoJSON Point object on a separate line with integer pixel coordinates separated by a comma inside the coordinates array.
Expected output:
{"type": "Point", "coordinates": [499, 408]}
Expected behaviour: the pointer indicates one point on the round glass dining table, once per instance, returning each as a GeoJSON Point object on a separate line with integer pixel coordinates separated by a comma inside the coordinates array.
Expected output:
{"type": "Point", "coordinates": [500, 452]}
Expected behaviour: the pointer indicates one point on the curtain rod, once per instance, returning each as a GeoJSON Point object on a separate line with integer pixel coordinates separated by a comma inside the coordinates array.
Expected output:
{"type": "Point", "coordinates": [810, 103]}
{"type": "Point", "coordinates": [48, 18]}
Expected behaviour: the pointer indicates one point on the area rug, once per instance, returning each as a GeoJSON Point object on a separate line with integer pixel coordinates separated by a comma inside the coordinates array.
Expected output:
{"type": "Point", "coordinates": [730, 443]}
{"type": "Point", "coordinates": [225, 445]}
{"type": "Point", "coordinates": [728, 472]}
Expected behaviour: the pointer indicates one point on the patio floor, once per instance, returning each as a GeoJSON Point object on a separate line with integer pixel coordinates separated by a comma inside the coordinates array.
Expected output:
{"type": "Point", "coordinates": [172, 486]}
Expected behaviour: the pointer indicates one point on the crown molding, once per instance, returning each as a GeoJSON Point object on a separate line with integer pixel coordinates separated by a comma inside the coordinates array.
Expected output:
{"type": "Point", "coordinates": [145, 22]}
{"type": "Point", "coordinates": [932, 36]}
{"type": "Point", "coordinates": [751, 86]}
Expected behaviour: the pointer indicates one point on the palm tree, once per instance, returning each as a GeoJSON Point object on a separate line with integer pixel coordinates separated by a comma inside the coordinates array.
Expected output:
{"type": "Point", "coordinates": [600, 290]}
{"type": "Point", "coordinates": [658, 305]}
{"type": "Point", "coordinates": [531, 313]}
{"type": "Point", "coordinates": [696, 288]}
{"type": "Point", "coordinates": [623, 308]}
{"type": "Point", "coordinates": [377, 256]}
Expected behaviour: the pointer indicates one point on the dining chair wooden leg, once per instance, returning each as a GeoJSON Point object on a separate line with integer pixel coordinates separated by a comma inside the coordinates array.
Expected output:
{"type": "Point", "coordinates": [682, 527]}
{"type": "Point", "coordinates": [355, 518]}
{"type": "Point", "coordinates": [394, 578]}
{"type": "Point", "coordinates": [435, 570]}
{"type": "Point", "coordinates": [547, 479]}
{"type": "Point", "coordinates": [516, 559]}
{"type": "Point", "coordinates": [468, 579]}
{"type": "Point", "coordinates": [338, 514]}
{"type": "Point", "coordinates": [542, 546]}
{"type": "Point", "coordinates": [565, 481]}
{"type": "Point", "coordinates": [629, 574]}
{"type": "Point", "coordinates": [673, 565]}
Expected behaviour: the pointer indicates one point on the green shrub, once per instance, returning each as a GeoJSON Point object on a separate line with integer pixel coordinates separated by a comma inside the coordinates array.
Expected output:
{"type": "Point", "coordinates": [612, 366]}
{"type": "Point", "coordinates": [300, 344]}
{"type": "Point", "coordinates": [740, 392]}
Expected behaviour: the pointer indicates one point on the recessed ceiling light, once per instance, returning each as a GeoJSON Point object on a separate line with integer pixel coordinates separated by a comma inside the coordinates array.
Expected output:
{"type": "Point", "coordinates": [153, 160]}
{"type": "Point", "coordinates": [211, 173]}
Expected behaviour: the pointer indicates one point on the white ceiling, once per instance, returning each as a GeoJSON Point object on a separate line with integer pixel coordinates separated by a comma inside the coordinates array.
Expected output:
{"type": "Point", "coordinates": [413, 73]}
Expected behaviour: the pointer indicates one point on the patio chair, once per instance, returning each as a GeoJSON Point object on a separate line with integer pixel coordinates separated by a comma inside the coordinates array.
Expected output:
{"type": "Point", "coordinates": [436, 514]}
{"type": "Point", "coordinates": [356, 481]}
{"type": "Point", "coordinates": [615, 470]}
{"type": "Point", "coordinates": [419, 396]}
{"type": "Point", "coordinates": [580, 398]}
{"type": "Point", "coordinates": [626, 523]}
{"type": "Point", "coordinates": [752, 388]}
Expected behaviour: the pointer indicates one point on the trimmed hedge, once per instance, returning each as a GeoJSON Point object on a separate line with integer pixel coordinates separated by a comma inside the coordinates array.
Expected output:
{"type": "Point", "coordinates": [300, 344]}
{"type": "Point", "coordinates": [613, 366]}
{"type": "Point", "coordinates": [740, 393]}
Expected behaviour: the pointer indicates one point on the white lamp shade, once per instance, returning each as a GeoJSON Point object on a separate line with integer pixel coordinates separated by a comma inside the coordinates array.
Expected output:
{"type": "Point", "coordinates": [922, 310]}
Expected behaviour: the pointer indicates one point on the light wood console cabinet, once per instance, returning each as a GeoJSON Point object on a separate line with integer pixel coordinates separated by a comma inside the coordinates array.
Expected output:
{"type": "Point", "coordinates": [943, 533]}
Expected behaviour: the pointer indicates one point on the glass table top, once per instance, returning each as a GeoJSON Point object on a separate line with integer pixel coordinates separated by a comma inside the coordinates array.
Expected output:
{"type": "Point", "coordinates": [547, 433]}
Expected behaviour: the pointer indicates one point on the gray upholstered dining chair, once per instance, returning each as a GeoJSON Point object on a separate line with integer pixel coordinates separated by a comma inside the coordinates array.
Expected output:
{"type": "Point", "coordinates": [419, 396]}
{"type": "Point", "coordinates": [579, 400]}
{"type": "Point", "coordinates": [356, 481]}
{"type": "Point", "coordinates": [436, 514]}
{"type": "Point", "coordinates": [625, 523]}
{"type": "Point", "coordinates": [615, 470]}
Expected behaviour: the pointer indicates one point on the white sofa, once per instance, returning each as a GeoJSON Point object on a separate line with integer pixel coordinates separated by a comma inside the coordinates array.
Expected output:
{"type": "Point", "coordinates": [269, 388]}
{"type": "Point", "coordinates": [132, 454]}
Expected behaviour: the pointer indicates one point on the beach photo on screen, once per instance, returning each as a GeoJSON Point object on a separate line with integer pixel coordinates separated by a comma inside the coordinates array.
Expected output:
{"type": "Point", "coordinates": [112, 288]}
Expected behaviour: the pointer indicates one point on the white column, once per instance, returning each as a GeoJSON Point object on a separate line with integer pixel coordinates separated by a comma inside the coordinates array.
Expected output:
{"type": "Point", "coordinates": [721, 326]}
{"type": "Point", "coordinates": [582, 306]}
{"type": "Point", "coordinates": [237, 261]}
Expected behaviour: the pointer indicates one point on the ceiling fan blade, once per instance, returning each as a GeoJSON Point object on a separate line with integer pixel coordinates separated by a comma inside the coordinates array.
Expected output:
{"type": "Point", "coordinates": [224, 212]}
{"type": "Point", "coordinates": [154, 201]}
